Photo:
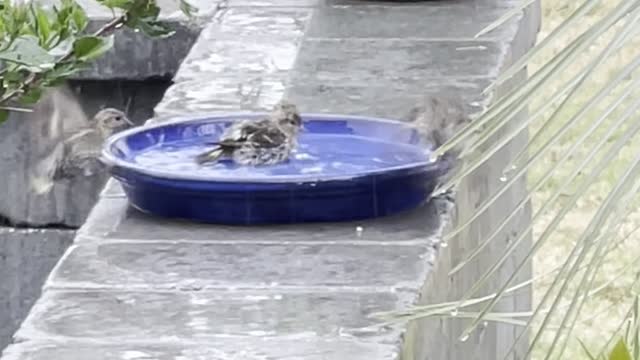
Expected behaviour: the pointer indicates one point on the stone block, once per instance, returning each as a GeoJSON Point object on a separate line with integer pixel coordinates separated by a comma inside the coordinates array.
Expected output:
{"type": "Point", "coordinates": [187, 265]}
{"type": "Point", "coordinates": [254, 348]}
{"type": "Point", "coordinates": [166, 317]}
{"type": "Point", "coordinates": [26, 258]}
{"type": "Point", "coordinates": [318, 96]}
{"type": "Point", "coordinates": [222, 94]}
{"type": "Point", "coordinates": [246, 41]}
{"type": "Point", "coordinates": [433, 20]}
{"type": "Point", "coordinates": [418, 227]}
{"type": "Point", "coordinates": [368, 60]}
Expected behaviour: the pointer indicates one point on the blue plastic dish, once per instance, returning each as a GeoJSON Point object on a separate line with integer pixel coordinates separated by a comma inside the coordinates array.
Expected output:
{"type": "Point", "coordinates": [345, 168]}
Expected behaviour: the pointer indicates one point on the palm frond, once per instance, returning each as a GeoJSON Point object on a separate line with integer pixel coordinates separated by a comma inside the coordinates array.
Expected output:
{"type": "Point", "coordinates": [561, 188]}
{"type": "Point", "coordinates": [521, 63]}
{"type": "Point", "coordinates": [522, 96]}
{"type": "Point", "coordinates": [506, 17]}
{"type": "Point", "coordinates": [586, 182]}
{"type": "Point", "coordinates": [611, 210]}
{"type": "Point", "coordinates": [608, 132]}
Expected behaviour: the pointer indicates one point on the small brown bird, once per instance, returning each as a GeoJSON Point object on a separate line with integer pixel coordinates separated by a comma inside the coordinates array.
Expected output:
{"type": "Point", "coordinates": [438, 119]}
{"type": "Point", "coordinates": [78, 154]}
{"type": "Point", "coordinates": [264, 142]}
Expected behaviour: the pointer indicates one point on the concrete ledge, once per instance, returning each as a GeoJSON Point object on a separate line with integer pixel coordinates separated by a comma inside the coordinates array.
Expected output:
{"type": "Point", "coordinates": [135, 285]}
{"type": "Point", "coordinates": [219, 349]}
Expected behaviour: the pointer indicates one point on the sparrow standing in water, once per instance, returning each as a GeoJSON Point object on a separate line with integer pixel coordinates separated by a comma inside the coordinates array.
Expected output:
{"type": "Point", "coordinates": [78, 154]}
{"type": "Point", "coordinates": [264, 142]}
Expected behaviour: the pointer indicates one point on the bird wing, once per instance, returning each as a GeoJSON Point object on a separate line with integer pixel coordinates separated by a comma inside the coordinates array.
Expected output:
{"type": "Point", "coordinates": [240, 132]}
{"type": "Point", "coordinates": [57, 115]}
{"type": "Point", "coordinates": [82, 154]}
{"type": "Point", "coordinates": [267, 137]}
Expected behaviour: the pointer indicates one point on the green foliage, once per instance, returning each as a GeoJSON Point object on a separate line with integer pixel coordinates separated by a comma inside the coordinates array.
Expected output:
{"type": "Point", "coordinates": [620, 352]}
{"type": "Point", "coordinates": [626, 339]}
{"type": "Point", "coordinates": [41, 47]}
{"type": "Point", "coordinates": [89, 48]}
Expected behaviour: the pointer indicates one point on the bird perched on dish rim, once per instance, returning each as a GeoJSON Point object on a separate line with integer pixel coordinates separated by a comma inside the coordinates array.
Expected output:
{"type": "Point", "coordinates": [267, 141]}
{"type": "Point", "coordinates": [78, 154]}
{"type": "Point", "coordinates": [437, 118]}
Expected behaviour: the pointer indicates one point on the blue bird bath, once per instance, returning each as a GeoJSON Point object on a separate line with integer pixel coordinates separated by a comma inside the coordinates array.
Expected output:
{"type": "Point", "coordinates": [345, 168]}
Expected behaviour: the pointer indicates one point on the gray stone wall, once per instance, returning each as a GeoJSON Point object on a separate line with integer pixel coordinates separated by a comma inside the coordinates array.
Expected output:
{"type": "Point", "coordinates": [46, 224]}
{"type": "Point", "coordinates": [26, 258]}
{"type": "Point", "coordinates": [36, 230]}
{"type": "Point", "coordinates": [135, 284]}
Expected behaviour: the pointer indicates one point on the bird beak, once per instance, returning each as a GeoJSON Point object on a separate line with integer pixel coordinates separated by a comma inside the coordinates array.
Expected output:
{"type": "Point", "coordinates": [126, 119]}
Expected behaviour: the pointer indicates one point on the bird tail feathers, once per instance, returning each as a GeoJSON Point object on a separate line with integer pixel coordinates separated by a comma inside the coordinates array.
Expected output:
{"type": "Point", "coordinates": [210, 156]}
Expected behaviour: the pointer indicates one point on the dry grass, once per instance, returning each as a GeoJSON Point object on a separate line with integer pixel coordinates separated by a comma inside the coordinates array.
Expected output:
{"type": "Point", "coordinates": [602, 312]}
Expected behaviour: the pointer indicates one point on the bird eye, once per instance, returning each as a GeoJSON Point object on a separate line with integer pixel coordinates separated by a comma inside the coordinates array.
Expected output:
{"type": "Point", "coordinates": [118, 118]}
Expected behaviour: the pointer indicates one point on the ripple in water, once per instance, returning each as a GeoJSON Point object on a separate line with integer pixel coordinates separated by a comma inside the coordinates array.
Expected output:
{"type": "Point", "coordinates": [317, 155]}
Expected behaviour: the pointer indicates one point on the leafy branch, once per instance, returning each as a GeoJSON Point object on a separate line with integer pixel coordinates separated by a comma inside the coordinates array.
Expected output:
{"type": "Point", "coordinates": [41, 47]}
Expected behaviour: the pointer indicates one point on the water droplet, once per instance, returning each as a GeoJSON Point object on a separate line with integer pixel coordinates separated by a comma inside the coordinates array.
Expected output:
{"type": "Point", "coordinates": [137, 30]}
{"type": "Point", "coordinates": [454, 312]}
{"type": "Point", "coordinates": [464, 338]}
{"type": "Point", "coordinates": [513, 167]}
{"type": "Point", "coordinates": [444, 244]}
{"type": "Point", "coordinates": [503, 178]}
{"type": "Point", "coordinates": [433, 157]}
{"type": "Point", "coordinates": [359, 231]}
{"type": "Point", "coordinates": [313, 184]}
{"type": "Point", "coordinates": [485, 324]}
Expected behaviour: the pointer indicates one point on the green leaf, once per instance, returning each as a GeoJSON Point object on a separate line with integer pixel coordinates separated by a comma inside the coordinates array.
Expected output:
{"type": "Point", "coordinates": [61, 48]}
{"type": "Point", "coordinates": [12, 76]}
{"type": "Point", "coordinates": [26, 51]}
{"type": "Point", "coordinates": [31, 97]}
{"type": "Point", "coordinates": [80, 19]}
{"type": "Point", "coordinates": [43, 25]}
{"type": "Point", "coordinates": [60, 73]}
{"type": "Point", "coordinates": [120, 4]}
{"type": "Point", "coordinates": [155, 29]}
{"type": "Point", "coordinates": [91, 47]}
{"type": "Point", "coordinates": [620, 352]}
{"type": "Point", "coordinates": [143, 16]}
{"type": "Point", "coordinates": [4, 115]}
{"type": "Point", "coordinates": [187, 9]}
{"type": "Point", "coordinates": [144, 10]}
